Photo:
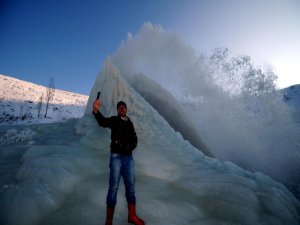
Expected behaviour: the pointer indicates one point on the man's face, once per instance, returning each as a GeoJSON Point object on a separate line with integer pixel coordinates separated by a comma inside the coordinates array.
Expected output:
{"type": "Point", "coordinates": [122, 110]}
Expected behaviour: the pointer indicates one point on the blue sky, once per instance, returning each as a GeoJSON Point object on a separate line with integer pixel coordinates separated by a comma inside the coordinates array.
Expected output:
{"type": "Point", "coordinates": [69, 39]}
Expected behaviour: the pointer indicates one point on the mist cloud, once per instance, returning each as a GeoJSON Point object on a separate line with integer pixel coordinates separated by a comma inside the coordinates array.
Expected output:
{"type": "Point", "coordinates": [233, 104]}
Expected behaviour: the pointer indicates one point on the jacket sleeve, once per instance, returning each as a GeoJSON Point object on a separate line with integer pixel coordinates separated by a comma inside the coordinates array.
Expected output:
{"type": "Point", "coordinates": [134, 139]}
{"type": "Point", "coordinates": [102, 121]}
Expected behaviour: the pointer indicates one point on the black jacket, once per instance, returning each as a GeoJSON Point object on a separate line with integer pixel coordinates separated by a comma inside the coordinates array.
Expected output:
{"type": "Point", "coordinates": [123, 136]}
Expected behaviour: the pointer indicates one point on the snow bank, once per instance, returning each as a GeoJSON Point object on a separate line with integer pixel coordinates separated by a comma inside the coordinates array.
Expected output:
{"type": "Point", "coordinates": [22, 102]}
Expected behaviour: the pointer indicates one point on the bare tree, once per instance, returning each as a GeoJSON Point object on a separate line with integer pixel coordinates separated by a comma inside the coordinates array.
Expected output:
{"type": "Point", "coordinates": [49, 94]}
{"type": "Point", "coordinates": [40, 105]}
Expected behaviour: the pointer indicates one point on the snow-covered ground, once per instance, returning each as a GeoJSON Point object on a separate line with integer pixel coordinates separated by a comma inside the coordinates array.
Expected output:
{"type": "Point", "coordinates": [60, 174]}
{"type": "Point", "coordinates": [20, 102]}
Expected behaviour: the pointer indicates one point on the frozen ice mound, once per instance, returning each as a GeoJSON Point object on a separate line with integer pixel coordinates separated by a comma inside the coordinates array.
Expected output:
{"type": "Point", "coordinates": [55, 182]}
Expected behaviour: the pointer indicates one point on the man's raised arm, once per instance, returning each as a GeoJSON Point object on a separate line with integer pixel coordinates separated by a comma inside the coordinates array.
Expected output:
{"type": "Point", "coordinates": [102, 121]}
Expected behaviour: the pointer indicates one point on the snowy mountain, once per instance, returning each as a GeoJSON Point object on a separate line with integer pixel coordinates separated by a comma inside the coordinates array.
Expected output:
{"type": "Point", "coordinates": [59, 174]}
{"type": "Point", "coordinates": [22, 102]}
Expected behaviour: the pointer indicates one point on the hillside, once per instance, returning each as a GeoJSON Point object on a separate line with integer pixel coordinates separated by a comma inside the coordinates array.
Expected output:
{"type": "Point", "coordinates": [20, 102]}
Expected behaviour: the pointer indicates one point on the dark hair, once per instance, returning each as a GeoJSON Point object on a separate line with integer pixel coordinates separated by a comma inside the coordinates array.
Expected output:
{"type": "Point", "coordinates": [121, 103]}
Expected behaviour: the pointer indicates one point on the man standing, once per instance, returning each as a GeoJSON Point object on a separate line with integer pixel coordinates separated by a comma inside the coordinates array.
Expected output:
{"type": "Point", "coordinates": [123, 142]}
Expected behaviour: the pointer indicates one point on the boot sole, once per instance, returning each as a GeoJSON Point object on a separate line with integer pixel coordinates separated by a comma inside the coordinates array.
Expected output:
{"type": "Point", "coordinates": [133, 222]}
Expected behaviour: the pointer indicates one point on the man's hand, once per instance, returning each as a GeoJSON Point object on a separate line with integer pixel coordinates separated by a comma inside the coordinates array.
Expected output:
{"type": "Point", "coordinates": [96, 106]}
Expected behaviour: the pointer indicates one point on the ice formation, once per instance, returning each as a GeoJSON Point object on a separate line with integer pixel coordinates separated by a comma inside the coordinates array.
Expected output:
{"type": "Point", "coordinates": [62, 177]}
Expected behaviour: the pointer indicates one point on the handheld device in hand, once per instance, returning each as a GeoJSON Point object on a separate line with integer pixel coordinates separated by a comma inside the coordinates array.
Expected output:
{"type": "Point", "coordinates": [98, 95]}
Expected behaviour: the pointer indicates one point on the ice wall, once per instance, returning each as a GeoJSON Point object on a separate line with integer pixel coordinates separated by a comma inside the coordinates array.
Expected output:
{"type": "Point", "coordinates": [158, 97]}
{"type": "Point", "coordinates": [113, 88]}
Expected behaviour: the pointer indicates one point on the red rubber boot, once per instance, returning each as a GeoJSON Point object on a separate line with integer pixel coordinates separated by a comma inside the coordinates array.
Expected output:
{"type": "Point", "coordinates": [132, 217]}
{"type": "Point", "coordinates": [109, 215]}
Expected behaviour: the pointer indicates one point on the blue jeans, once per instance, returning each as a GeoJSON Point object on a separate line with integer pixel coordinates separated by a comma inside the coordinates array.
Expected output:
{"type": "Point", "coordinates": [121, 165]}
